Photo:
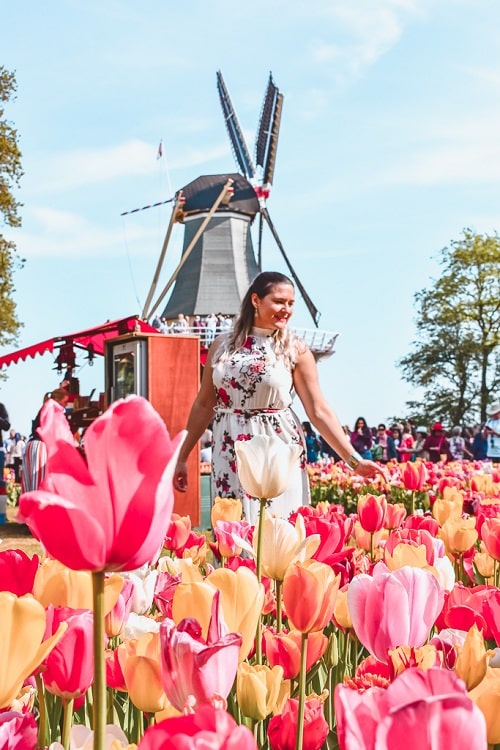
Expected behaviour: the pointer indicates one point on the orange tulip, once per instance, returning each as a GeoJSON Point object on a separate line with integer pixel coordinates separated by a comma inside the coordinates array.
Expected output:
{"type": "Point", "coordinates": [141, 667]}
{"type": "Point", "coordinates": [226, 509]}
{"type": "Point", "coordinates": [284, 649]}
{"type": "Point", "coordinates": [486, 696]}
{"type": "Point", "coordinates": [309, 592]}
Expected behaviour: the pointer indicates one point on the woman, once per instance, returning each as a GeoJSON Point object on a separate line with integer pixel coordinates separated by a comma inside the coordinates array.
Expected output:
{"type": "Point", "coordinates": [405, 447]}
{"type": "Point", "coordinates": [361, 438]}
{"type": "Point", "coordinates": [312, 443]}
{"type": "Point", "coordinates": [246, 390]}
{"type": "Point", "coordinates": [436, 444]}
{"type": "Point", "coordinates": [35, 455]}
{"type": "Point", "coordinates": [458, 446]}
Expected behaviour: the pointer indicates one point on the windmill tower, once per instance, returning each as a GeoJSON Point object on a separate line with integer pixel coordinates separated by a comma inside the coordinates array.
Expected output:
{"type": "Point", "coordinates": [218, 261]}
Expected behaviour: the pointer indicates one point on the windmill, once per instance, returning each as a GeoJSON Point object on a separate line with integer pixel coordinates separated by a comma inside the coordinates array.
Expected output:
{"type": "Point", "coordinates": [218, 261]}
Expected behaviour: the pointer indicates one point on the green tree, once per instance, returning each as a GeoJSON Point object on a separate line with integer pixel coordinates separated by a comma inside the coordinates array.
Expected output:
{"type": "Point", "coordinates": [10, 175]}
{"type": "Point", "coordinates": [456, 357]}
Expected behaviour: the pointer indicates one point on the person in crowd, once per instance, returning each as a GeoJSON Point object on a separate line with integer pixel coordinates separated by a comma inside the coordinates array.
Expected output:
{"type": "Point", "coordinates": [17, 456]}
{"type": "Point", "coordinates": [436, 444]}
{"type": "Point", "coordinates": [198, 325]}
{"type": "Point", "coordinates": [405, 447]}
{"type": "Point", "coordinates": [384, 443]}
{"type": "Point", "coordinates": [326, 450]}
{"type": "Point", "coordinates": [180, 325]}
{"type": "Point", "coordinates": [312, 443]}
{"type": "Point", "coordinates": [480, 443]}
{"type": "Point", "coordinates": [397, 434]}
{"type": "Point", "coordinates": [210, 328]}
{"type": "Point", "coordinates": [4, 426]}
{"type": "Point", "coordinates": [361, 438]}
{"type": "Point", "coordinates": [493, 431]}
{"type": "Point", "coordinates": [35, 454]}
{"type": "Point", "coordinates": [418, 444]}
{"type": "Point", "coordinates": [246, 389]}
{"type": "Point", "coordinates": [9, 450]}
{"type": "Point", "coordinates": [458, 447]}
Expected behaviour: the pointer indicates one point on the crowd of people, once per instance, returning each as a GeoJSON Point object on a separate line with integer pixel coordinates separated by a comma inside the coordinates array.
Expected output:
{"type": "Point", "coordinates": [407, 441]}
{"type": "Point", "coordinates": [208, 326]}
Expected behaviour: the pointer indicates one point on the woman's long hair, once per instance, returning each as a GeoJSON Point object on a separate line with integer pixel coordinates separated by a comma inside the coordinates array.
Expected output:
{"type": "Point", "coordinates": [262, 285]}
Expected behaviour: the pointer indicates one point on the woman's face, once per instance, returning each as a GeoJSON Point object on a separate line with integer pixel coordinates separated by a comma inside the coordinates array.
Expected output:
{"type": "Point", "coordinates": [275, 309]}
{"type": "Point", "coordinates": [360, 424]}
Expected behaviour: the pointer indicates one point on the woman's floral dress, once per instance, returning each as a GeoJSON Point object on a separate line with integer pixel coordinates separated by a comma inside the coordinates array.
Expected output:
{"type": "Point", "coordinates": [253, 388]}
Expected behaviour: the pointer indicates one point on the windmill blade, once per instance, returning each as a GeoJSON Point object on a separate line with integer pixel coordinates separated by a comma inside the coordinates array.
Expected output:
{"type": "Point", "coordinates": [259, 254]}
{"type": "Point", "coordinates": [267, 134]}
{"type": "Point", "coordinates": [315, 314]}
{"type": "Point", "coordinates": [240, 151]}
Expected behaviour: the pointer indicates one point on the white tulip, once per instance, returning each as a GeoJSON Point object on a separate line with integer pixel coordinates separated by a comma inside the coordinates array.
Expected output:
{"type": "Point", "coordinates": [264, 465]}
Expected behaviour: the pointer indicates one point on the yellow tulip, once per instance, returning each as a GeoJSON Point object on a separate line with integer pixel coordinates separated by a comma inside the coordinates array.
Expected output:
{"type": "Point", "coordinates": [449, 506]}
{"type": "Point", "coordinates": [257, 689]}
{"type": "Point", "coordinates": [283, 544]}
{"type": "Point", "coordinates": [403, 657]}
{"type": "Point", "coordinates": [486, 696]}
{"type": "Point", "coordinates": [242, 599]}
{"type": "Point", "coordinates": [193, 600]}
{"type": "Point", "coordinates": [458, 534]}
{"type": "Point", "coordinates": [472, 660]}
{"type": "Point", "coordinates": [141, 668]}
{"type": "Point", "coordinates": [62, 587]}
{"type": "Point", "coordinates": [226, 509]}
{"type": "Point", "coordinates": [22, 629]}
{"type": "Point", "coordinates": [264, 464]}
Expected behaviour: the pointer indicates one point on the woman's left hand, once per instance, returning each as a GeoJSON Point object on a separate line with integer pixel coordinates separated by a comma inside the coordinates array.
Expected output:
{"type": "Point", "coordinates": [369, 469]}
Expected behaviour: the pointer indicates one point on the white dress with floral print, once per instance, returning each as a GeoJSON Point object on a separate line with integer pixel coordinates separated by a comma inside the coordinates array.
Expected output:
{"type": "Point", "coordinates": [253, 388]}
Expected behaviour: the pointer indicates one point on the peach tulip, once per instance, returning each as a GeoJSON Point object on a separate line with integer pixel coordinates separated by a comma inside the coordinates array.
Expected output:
{"type": "Point", "coordinates": [449, 506]}
{"type": "Point", "coordinates": [209, 727]}
{"type": "Point", "coordinates": [394, 516]}
{"type": "Point", "coordinates": [394, 608]}
{"type": "Point", "coordinates": [82, 738]}
{"type": "Point", "coordinates": [23, 648]}
{"type": "Point", "coordinates": [341, 610]}
{"type": "Point", "coordinates": [432, 702]}
{"type": "Point", "coordinates": [226, 509]}
{"type": "Point", "coordinates": [284, 649]}
{"type": "Point", "coordinates": [140, 663]}
{"type": "Point", "coordinates": [193, 667]}
{"type": "Point", "coordinates": [458, 534]}
{"type": "Point", "coordinates": [486, 696]}
{"type": "Point", "coordinates": [309, 592]}
{"type": "Point", "coordinates": [112, 511]}
{"type": "Point", "coordinates": [257, 689]}
{"type": "Point", "coordinates": [264, 464]}
{"type": "Point", "coordinates": [472, 659]}
{"type": "Point", "coordinates": [371, 512]}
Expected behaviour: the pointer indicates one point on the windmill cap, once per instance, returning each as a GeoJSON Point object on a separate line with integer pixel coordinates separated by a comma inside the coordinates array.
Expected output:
{"type": "Point", "coordinates": [493, 409]}
{"type": "Point", "coordinates": [437, 426]}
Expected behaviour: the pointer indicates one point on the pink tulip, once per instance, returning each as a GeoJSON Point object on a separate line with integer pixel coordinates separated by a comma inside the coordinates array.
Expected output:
{"type": "Point", "coordinates": [166, 585]}
{"type": "Point", "coordinates": [371, 512]}
{"type": "Point", "coordinates": [69, 668]}
{"type": "Point", "coordinates": [18, 731]}
{"type": "Point", "coordinates": [115, 621]}
{"type": "Point", "coordinates": [393, 608]}
{"type": "Point", "coordinates": [420, 709]}
{"type": "Point", "coordinates": [111, 513]}
{"type": "Point", "coordinates": [17, 571]}
{"type": "Point", "coordinates": [415, 476]}
{"type": "Point", "coordinates": [208, 728]}
{"type": "Point", "coordinates": [282, 729]}
{"type": "Point", "coordinates": [195, 668]}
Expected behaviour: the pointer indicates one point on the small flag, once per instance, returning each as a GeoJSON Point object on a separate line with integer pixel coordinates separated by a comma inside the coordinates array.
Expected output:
{"type": "Point", "coordinates": [160, 150]}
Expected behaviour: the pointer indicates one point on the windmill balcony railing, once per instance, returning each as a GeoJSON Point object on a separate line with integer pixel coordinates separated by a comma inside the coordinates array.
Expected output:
{"type": "Point", "coordinates": [321, 343]}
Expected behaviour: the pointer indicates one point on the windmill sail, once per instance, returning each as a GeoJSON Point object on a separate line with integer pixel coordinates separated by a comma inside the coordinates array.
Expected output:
{"type": "Point", "coordinates": [240, 150]}
{"type": "Point", "coordinates": [267, 136]}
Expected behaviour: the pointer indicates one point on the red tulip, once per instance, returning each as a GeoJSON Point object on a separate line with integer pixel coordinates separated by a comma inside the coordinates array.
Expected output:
{"type": "Point", "coordinates": [371, 512]}
{"type": "Point", "coordinates": [69, 668]}
{"type": "Point", "coordinates": [420, 709]}
{"type": "Point", "coordinates": [18, 731]}
{"type": "Point", "coordinates": [17, 571]}
{"type": "Point", "coordinates": [193, 667]}
{"type": "Point", "coordinates": [465, 606]}
{"type": "Point", "coordinates": [111, 513]}
{"type": "Point", "coordinates": [415, 476]}
{"type": "Point", "coordinates": [282, 728]}
{"type": "Point", "coordinates": [177, 532]}
{"type": "Point", "coordinates": [114, 673]}
{"type": "Point", "coordinates": [393, 608]}
{"type": "Point", "coordinates": [209, 727]}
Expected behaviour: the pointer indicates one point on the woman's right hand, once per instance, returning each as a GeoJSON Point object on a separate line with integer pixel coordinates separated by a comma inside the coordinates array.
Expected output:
{"type": "Point", "coordinates": [181, 476]}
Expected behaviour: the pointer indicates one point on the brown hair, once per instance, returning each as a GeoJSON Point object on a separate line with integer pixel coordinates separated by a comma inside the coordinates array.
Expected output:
{"type": "Point", "coordinates": [59, 394]}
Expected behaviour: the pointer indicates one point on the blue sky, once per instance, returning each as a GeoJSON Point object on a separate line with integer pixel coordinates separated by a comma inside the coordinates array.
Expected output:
{"type": "Point", "coordinates": [389, 148]}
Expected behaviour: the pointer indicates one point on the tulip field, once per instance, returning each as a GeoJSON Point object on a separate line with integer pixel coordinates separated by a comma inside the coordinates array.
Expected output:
{"type": "Point", "coordinates": [369, 620]}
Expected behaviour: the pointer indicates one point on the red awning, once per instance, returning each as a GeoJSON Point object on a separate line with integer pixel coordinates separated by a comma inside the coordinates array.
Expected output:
{"type": "Point", "coordinates": [94, 336]}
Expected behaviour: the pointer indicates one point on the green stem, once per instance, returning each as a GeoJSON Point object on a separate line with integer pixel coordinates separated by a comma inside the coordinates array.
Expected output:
{"type": "Point", "coordinates": [43, 739]}
{"type": "Point", "coordinates": [99, 715]}
{"type": "Point", "coordinates": [279, 623]}
{"type": "Point", "coordinates": [67, 722]}
{"type": "Point", "coordinates": [260, 539]}
{"type": "Point", "coordinates": [412, 503]}
{"type": "Point", "coordinates": [302, 693]}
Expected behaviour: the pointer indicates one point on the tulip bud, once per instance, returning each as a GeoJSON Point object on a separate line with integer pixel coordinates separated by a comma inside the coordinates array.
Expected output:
{"type": "Point", "coordinates": [331, 656]}
{"type": "Point", "coordinates": [472, 659]}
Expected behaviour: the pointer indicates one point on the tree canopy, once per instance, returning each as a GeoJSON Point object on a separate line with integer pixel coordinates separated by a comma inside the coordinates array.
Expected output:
{"type": "Point", "coordinates": [456, 357]}
{"type": "Point", "coordinates": [10, 175]}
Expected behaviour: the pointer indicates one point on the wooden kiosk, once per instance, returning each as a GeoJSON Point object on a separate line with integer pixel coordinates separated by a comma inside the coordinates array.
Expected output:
{"type": "Point", "coordinates": [165, 369]}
